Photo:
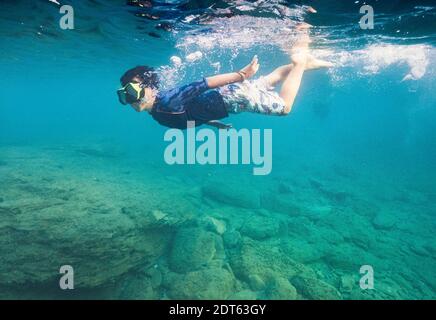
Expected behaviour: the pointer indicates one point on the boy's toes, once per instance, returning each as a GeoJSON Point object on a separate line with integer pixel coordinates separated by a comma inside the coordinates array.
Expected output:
{"type": "Point", "coordinates": [303, 26]}
{"type": "Point", "coordinates": [311, 10]}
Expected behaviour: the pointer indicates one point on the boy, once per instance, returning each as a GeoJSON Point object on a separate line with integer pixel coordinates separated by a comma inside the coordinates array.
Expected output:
{"type": "Point", "coordinates": [213, 98]}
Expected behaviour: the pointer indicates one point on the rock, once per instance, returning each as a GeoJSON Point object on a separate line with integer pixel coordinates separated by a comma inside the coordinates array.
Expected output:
{"type": "Point", "coordinates": [244, 295]}
{"type": "Point", "coordinates": [138, 287]}
{"type": "Point", "coordinates": [330, 236]}
{"type": "Point", "coordinates": [318, 212]}
{"type": "Point", "coordinates": [232, 239]}
{"type": "Point", "coordinates": [155, 276]}
{"type": "Point", "coordinates": [316, 289]}
{"type": "Point", "coordinates": [431, 247]}
{"type": "Point", "coordinates": [257, 258]}
{"type": "Point", "coordinates": [259, 228]}
{"type": "Point", "coordinates": [61, 215]}
{"type": "Point", "coordinates": [419, 249]}
{"type": "Point", "coordinates": [302, 251]}
{"type": "Point", "coordinates": [281, 289]}
{"type": "Point", "coordinates": [192, 248]}
{"type": "Point", "coordinates": [234, 195]}
{"type": "Point", "coordinates": [158, 215]}
{"type": "Point", "coordinates": [278, 203]}
{"type": "Point", "coordinates": [215, 225]}
{"type": "Point", "coordinates": [255, 282]}
{"type": "Point", "coordinates": [347, 258]}
{"type": "Point", "coordinates": [98, 241]}
{"type": "Point", "coordinates": [284, 188]}
{"type": "Point", "coordinates": [204, 284]}
{"type": "Point", "coordinates": [303, 228]}
{"type": "Point", "coordinates": [347, 283]}
{"type": "Point", "coordinates": [384, 221]}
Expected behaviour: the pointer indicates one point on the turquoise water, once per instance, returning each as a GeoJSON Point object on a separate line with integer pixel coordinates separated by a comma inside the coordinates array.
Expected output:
{"type": "Point", "coordinates": [84, 182]}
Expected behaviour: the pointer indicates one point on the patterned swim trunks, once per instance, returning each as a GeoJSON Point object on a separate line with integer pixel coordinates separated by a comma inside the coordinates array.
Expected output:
{"type": "Point", "coordinates": [252, 96]}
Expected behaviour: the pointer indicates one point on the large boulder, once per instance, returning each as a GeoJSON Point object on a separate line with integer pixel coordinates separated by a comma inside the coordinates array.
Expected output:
{"type": "Point", "coordinates": [37, 237]}
{"type": "Point", "coordinates": [302, 251]}
{"type": "Point", "coordinates": [257, 259]}
{"type": "Point", "coordinates": [259, 228]}
{"type": "Point", "coordinates": [208, 283]}
{"type": "Point", "coordinates": [384, 221]}
{"type": "Point", "coordinates": [193, 248]}
{"type": "Point", "coordinates": [315, 289]}
{"type": "Point", "coordinates": [231, 194]}
{"type": "Point", "coordinates": [279, 203]}
{"type": "Point", "coordinates": [66, 219]}
{"type": "Point", "coordinates": [281, 289]}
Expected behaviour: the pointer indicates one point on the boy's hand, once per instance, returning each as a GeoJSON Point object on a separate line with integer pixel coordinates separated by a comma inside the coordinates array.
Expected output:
{"type": "Point", "coordinates": [251, 69]}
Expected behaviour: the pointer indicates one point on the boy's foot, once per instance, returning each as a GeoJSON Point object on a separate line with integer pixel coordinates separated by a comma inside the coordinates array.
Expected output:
{"type": "Point", "coordinates": [314, 63]}
{"type": "Point", "coordinates": [300, 51]}
{"type": "Point", "coordinates": [303, 26]}
{"type": "Point", "coordinates": [311, 10]}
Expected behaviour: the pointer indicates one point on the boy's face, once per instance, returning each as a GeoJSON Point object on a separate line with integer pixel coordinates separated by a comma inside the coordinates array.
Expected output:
{"type": "Point", "coordinates": [140, 106]}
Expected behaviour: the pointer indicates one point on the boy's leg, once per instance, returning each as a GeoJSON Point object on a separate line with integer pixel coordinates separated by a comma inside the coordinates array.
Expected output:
{"type": "Point", "coordinates": [280, 73]}
{"type": "Point", "coordinates": [291, 85]}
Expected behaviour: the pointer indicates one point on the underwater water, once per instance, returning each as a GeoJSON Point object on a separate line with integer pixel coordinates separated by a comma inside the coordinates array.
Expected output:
{"type": "Point", "coordinates": [83, 181]}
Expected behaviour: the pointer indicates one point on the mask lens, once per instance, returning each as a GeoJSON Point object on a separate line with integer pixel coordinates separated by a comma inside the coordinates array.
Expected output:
{"type": "Point", "coordinates": [132, 92]}
{"type": "Point", "coordinates": [122, 96]}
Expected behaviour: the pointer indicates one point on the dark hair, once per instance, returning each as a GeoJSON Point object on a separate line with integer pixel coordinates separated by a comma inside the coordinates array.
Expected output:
{"type": "Point", "coordinates": [147, 75]}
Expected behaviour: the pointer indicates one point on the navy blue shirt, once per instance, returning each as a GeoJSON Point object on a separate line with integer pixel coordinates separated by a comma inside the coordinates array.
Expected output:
{"type": "Point", "coordinates": [192, 102]}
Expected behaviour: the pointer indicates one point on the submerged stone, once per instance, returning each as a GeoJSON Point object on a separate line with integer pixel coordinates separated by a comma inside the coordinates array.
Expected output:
{"type": "Point", "coordinates": [347, 257]}
{"type": "Point", "coordinates": [215, 225]}
{"type": "Point", "coordinates": [316, 289]}
{"type": "Point", "coordinates": [281, 289]}
{"type": "Point", "coordinates": [279, 203]}
{"type": "Point", "coordinates": [244, 295]}
{"type": "Point", "coordinates": [257, 258]}
{"type": "Point", "coordinates": [138, 287]}
{"type": "Point", "coordinates": [256, 283]}
{"type": "Point", "coordinates": [302, 251]}
{"type": "Point", "coordinates": [347, 283]}
{"type": "Point", "coordinates": [384, 221]}
{"type": "Point", "coordinates": [231, 194]}
{"type": "Point", "coordinates": [192, 248]}
{"type": "Point", "coordinates": [210, 284]}
{"type": "Point", "coordinates": [99, 247]}
{"type": "Point", "coordinates": [232, 239]}
{"type": "Point", "coordinates": [258, 227]}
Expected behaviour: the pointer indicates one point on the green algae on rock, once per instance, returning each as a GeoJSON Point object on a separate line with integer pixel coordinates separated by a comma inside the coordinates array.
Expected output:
{"type": "Point", "coordinates": [193, 247]}
{"type": "Point", "coordinates": [257, 258]}
{"type": "Point", "coordinates": [210, 283]}
{"type": "Point", "coordinates": [234, 195]}
{"type": "Point", "coordinates": [315, 289]}
{"type": "Point", "coordinates": [281, 289]}
{"type": "Point", "coordinates": [259, 228]}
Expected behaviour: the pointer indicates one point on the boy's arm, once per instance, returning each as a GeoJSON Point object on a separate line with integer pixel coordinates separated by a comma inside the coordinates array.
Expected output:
{"type": "Point", "coordinates": [174, 100]}
{"type": "Point", "coordinates": [228, 78]}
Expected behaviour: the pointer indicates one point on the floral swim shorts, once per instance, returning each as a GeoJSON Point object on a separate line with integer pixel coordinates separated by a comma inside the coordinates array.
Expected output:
{"type": "Point", "coordinates": [252, 96]}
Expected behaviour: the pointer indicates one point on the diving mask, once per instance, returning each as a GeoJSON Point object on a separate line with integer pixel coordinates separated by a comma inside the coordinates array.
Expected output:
{"type": "Point", "coordinates": [131, 92]}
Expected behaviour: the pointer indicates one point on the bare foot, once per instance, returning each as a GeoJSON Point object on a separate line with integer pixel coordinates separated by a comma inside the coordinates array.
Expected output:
{"type": "Point", "coordinates": [300, 51]}
{"type": "Point", "coordinates": [303, 26]}
{"type": "Point", "coordinates": [314, 63]}
{"type": "Point", "coordinates": [311, 9]}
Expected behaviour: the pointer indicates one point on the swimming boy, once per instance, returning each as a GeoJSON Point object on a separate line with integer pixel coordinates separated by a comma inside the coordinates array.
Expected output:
{"type": "Point", "coordinates": [213, 98]}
